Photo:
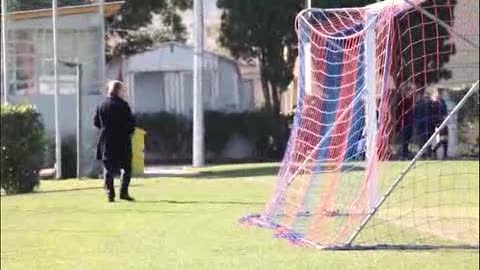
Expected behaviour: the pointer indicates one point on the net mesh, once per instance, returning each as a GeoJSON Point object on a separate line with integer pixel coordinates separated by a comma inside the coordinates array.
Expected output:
{"type": "Point", "coordinates": [374, 85]}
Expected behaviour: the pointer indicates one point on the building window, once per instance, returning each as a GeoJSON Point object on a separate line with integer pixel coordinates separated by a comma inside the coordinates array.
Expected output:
{"type": "Point", "coordinates": [22, 62]}
{"type": "Point", "coordinates": [30, 65]}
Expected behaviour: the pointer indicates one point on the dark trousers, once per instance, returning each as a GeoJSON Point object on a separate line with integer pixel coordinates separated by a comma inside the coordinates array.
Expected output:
{"type": "Point", "coordinates": [443, 143]}
{"type": "Point", "coordinates": [111, 170]}
{"type": "Point", "coordinates": [406, 136]}
{"type": "Point", "coordinates": [429, 151]}
{"type": "Point", "coordinates": [423, 133]}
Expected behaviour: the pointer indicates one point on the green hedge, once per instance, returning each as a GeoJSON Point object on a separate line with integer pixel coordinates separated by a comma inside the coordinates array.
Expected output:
{"type": "Point", "coordinates": [171, 135]}
{"type": "Point", "coordinates": [468, 123]}
{"type": "Point", "coordinates": [69, 156]}
{"type": "Point", "coordinates": [168, 134]}
{"type": "Point", "coordinates": [23, 145]}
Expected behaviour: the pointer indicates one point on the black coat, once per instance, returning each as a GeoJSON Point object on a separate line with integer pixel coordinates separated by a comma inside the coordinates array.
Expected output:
{"type": "Point", "coordinates": [116, 123]}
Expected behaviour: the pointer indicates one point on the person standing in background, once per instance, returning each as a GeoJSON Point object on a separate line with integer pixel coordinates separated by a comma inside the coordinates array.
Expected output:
{"type": "Point", "coordinates": [423, 122]}
{"type": "Point", "coordinates": [405, 120]}
{"type": "Point", "coordinates": [440, 112]}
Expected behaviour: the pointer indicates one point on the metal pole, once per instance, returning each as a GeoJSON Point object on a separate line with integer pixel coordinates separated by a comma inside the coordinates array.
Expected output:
{"type": "Point", "coordinates": [4, 52]}
{"type": "Point", "coordinates": [198, 156]}
{"type": "Point", "coordinates": [371, 102]}
{"type": "Point", "coordinates": [410, 165]}
{"type": "Point", "coordinates": [102, 44]}
{"type": "Point", "coordinates": [79, 120]}
{"type": "Point", "coordinates": [308, 3]}
{"type": "Point", "coordinates": [58, 139]}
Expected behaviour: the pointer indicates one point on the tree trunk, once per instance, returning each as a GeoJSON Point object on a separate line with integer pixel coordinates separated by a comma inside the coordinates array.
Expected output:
{"type": "Point", "coordinates": [276, 100]}
{"type": "Point", "coordinates": [265, 88]}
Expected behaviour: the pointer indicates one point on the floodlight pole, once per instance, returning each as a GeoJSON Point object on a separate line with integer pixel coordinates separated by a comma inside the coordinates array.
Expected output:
{"type": "Point", "coordinates": [4, 51]}
{"type": "Point", "coordinates": [58, 138]}
{"type": "Point", "coordinates": [198, 155]}
{"type": "Point", "coordinates": [78, 94]}
{"type": "Point", "coordinates": [308, 3]}
{"type": "Point", "coordinates": [102, 44]}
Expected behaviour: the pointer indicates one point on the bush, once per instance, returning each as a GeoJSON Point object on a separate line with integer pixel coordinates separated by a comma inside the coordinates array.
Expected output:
{"type": "Point", "coordinates": [269, 135]}
{"type": "Point", "coordinates": [468, 123]}
{"type": "Point", "coordinates": [171, 135]}
{"type": "Point", "coordinates": [219, 127]}
{"type": "Point", "coordinates": [469, 111]}
{"type": "Point", "coordinates": [167, 134]}
{"type": "Point", "coordinates": [22, 148]}
{"type": "Point", "coordinates": [69, 156]}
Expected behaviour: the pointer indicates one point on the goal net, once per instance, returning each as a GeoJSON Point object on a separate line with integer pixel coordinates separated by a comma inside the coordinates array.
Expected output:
{"type": "Point", "coordinates": [385, 98]}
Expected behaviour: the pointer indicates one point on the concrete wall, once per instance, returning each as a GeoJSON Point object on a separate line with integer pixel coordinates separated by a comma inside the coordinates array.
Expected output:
{"type": "Point", "coordinates": [30, 47]}
{"type": "Point", "coordinates": [67, 117]}
{"type": "Point", "coordinates": [464, 64]}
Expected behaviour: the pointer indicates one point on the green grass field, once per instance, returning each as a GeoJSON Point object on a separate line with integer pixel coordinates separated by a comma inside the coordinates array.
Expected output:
{"type": "Point", "coordinates": [176, 223]}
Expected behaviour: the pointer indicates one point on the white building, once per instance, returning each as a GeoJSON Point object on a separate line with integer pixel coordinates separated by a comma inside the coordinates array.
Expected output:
{"type": "Point", "coordinates": [158, 80]}
{"type": "Point", "coordinates": [162, 80]}
{"type": "Point", "coordinates": [29, 73]}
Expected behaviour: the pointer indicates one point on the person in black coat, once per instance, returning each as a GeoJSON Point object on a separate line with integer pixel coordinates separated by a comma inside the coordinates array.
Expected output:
{"type": "Point", "coordinates": [440, 112]}
{"type": "Point", "coordinates": [423, 119]}
{"type": "Point", "coordinates": [116, 123]}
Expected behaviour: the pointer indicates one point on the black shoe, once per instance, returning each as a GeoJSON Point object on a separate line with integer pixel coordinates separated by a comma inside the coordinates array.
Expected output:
{"type": "Point", "coordinates": [111, 199]}
{"type": "Point", "coordinates": [126, 197]}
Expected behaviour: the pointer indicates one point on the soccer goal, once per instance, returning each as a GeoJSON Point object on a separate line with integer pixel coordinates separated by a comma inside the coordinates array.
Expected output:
{"type": "Point", "coordinates": [376, 156]}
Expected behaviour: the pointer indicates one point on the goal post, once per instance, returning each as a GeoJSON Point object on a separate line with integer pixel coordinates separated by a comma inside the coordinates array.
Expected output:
{"type": "Point", "coordinates": [371, 103]}
{"type": "Point", "coordinates": [360, 169]}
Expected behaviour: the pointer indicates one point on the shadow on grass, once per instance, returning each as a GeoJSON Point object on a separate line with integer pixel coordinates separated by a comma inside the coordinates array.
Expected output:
{"type": "Point", "coordinates": [113, 211]}
{"type": "Point", "coordinates": [199, 202]}
{"type": "Point", "coordinates": [270, 170]}
{"type": "Point", "coordinates": [39, 192]}
{"type": "Point", "coordinates": [267, 170]}
{"type": "Point", "coordinates": [55, 231]}
{"type": "Point", "coordinates": [241, 172]}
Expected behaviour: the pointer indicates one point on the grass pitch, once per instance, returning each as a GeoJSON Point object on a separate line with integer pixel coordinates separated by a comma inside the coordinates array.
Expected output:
{"type": "Point", "coordinates": [176, 223]}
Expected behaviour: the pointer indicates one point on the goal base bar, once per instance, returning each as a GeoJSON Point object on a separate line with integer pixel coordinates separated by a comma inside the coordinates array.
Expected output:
{"type": "Point", "coordinates": [402, 247]}
{"type": "Point", "coordinates": [298, 239]}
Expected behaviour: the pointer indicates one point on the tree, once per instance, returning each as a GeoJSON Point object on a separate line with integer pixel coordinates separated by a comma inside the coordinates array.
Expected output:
{"type": "Point", "coordinates": [425, 64]}
{"type": "Point", "coordinates": [263, 30]}
{"type": "Point", "coordinates": [128, 32]}
{"type": "Point", "coordinates": [428, 35]}
{"type": "Point", "coordinates": [170, 27]}
{"type": "Point", "coordinates": [21, 5]}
